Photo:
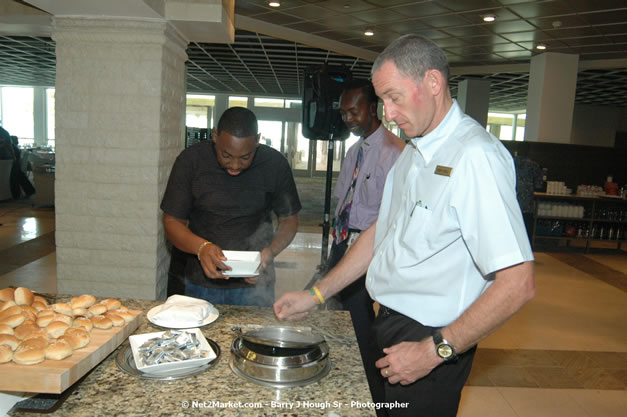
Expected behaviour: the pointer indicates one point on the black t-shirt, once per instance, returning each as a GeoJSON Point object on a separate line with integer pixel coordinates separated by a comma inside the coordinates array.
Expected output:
{"type": "Point", "coordinates": [234, 212]}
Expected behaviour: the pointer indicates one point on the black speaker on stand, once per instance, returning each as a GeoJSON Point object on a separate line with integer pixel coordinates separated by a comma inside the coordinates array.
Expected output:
{"type": "Point", "coordinates": [322, 121]}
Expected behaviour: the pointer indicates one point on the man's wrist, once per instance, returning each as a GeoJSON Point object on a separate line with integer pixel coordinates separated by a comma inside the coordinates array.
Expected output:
{"type": "Point", "coordinates": [201, 247]}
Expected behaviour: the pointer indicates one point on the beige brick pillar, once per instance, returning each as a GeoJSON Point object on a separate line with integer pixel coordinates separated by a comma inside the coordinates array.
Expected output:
{"type": "Point", "coordinates": [120, 91]}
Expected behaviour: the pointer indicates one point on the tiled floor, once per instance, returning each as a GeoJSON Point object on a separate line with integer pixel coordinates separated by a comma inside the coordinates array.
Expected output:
{"type": "Point", "coordinates": [564, 354]}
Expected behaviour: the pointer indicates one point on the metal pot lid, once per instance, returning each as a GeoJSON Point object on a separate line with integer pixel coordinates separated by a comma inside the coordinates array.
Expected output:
{"type": "Point", "coordinates": [277, 356]}
{"type": "Point", "coordinates": [284, 337]}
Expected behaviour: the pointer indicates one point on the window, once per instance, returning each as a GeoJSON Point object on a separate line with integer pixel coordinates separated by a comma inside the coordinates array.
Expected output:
{"type": "Point", "coordinates": [199, 110]}
{"type": "Point", "coordinates": [271, 133]}
{"type": "Point", "coordinates": [507, 126]}
{"type": "Point", "coordinates": [268, 102]}
{"type": "Point", "coordinates": [17, 113]}
{"type": "Point", "coordinates": [50, 94]}
{"type": "Point", "coordinates": [238, 101]}
{"type": "Point", "coordinates": [294, 104]}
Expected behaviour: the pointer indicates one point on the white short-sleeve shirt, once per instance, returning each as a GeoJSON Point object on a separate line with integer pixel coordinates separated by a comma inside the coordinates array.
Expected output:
{"type": "Point", "coordinates": [449, 219]}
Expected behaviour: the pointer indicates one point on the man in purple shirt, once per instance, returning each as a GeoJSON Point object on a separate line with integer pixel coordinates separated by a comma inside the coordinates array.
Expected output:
{"type": "Point", "coordinates": [359, 189]}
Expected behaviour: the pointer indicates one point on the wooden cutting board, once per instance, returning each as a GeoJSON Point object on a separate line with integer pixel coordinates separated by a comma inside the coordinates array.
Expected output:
{"type": "Point", "coordinates": [56, 376]}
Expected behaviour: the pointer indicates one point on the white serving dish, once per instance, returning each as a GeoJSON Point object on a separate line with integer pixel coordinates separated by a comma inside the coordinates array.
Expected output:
{"type": "Point", "coordinates": [243, 263]}
{"type": "Point", "coordinates": [174, 324]}
{"type": "Point", "coordinates": [137, 340]}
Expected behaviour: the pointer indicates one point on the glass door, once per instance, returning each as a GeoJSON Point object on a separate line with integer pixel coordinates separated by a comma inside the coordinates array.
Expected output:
{"type": "Point", "coordinates": [272, 134]}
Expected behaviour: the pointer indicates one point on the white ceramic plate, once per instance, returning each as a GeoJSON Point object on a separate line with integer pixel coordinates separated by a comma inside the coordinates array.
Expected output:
{"type": "Point", "coordinates": [213, 316]}
{"type": "Point", "coordinates": [137, 340]}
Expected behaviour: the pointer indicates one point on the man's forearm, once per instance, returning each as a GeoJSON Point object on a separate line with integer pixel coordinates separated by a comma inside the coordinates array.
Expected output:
{"type": "Point", "coordinates": [178, 233]}
{"type": "Point", "coordinates": [284, 235]}
{"type": "Point", "coordinates": [513, 287]}
{"type": "Point", "coordinates": [352, 265]}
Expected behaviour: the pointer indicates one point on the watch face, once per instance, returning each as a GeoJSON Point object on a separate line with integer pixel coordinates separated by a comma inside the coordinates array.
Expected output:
{"type": "Point", "coordinates": [445, 351]}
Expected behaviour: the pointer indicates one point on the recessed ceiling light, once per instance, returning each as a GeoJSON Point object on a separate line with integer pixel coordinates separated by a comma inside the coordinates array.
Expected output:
{"type": "Point", "coordinates": [489, 18]}
{"type": "Point", "coordinates": [347, 6]}
{"type": "Point", "coordinates": [369, 32]}
{"type": "Point", "coordinates": [541, 46]}
{"type": "Point", "coordinates": [274, 3]}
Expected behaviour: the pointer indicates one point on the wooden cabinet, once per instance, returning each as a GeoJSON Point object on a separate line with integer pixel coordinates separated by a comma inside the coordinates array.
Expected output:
{"type": "Point", "coordinates": [578, 221]}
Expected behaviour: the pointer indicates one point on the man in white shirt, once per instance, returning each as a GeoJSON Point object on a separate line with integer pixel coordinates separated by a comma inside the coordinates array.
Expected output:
{"type": "Point", "coordinates": [448, 258]}
{"type": "Point", "coordinates": [359, 189]}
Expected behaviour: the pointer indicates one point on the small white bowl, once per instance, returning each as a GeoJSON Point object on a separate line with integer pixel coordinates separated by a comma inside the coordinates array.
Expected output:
{"type": "Point", "coordinates": [139, 339]}
{"type": "Point", "coordinates": [243, 263]}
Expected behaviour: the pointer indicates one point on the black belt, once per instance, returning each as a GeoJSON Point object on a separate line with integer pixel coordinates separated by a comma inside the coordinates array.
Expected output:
{"type": "Point", "coordinates": [386, 312]}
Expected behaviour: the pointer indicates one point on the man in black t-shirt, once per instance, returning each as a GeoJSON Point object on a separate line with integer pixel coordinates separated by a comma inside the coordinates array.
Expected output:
{"type": "Point", "coordinates": [220, 196]}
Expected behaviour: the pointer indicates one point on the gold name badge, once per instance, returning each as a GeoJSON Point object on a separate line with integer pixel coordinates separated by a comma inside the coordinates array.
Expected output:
{"type": "Point", "coordinates": [440, 170]}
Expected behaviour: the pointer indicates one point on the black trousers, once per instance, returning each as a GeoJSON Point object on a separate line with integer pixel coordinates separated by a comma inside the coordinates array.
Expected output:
{"type": "Point", "coordinates": [356, 300]}
{"type": "Point", "coordinates": [438, 393]}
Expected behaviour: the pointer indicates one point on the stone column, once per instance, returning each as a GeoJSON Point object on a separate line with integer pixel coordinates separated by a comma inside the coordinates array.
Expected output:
{"type": "Point", "coordinates": [120, 96]}
{"type": "Point", "coordinates": [551, 97]}
{"type": "Point", "coordinates": [473, 97]}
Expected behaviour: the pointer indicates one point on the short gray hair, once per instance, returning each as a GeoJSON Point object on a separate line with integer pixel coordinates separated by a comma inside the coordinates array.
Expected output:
{"type": "Point", "coordinates": [413, 55]}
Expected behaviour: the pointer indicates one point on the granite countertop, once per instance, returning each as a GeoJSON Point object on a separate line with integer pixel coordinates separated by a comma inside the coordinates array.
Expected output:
{"type": "Point", "coordinates": [107, 391]}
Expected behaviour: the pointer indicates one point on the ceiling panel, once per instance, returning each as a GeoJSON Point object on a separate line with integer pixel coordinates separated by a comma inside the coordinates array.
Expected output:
{"type": "Point", "coordinates": [258, 64]}
{"type": "Point", "coordinates": [421, 9]}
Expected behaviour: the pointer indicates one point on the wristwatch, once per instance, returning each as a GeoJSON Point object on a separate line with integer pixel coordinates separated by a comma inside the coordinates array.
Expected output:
{"type": "Point", "coordinates": [443, 348]}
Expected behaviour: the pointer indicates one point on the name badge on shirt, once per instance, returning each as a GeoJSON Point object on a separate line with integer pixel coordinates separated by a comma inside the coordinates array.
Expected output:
{"type": "Point", "coordinates": [442, 170]}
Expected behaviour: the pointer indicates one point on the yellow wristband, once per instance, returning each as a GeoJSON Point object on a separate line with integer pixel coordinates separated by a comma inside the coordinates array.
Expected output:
{"type": "Point", "coordinates": [318, 295]}
{"type": "Point", "coordinates": [205, 243]}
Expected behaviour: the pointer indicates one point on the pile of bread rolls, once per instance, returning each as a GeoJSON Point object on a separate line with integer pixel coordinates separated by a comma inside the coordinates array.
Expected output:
{"type": "Point", "coordinates": [31, 330]}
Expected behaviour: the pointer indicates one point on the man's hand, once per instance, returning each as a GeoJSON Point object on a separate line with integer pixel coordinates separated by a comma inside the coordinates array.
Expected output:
{"type": "Point", "coordinates": [294, 305]}
{"type": "Point", "coordinates": [407, 362]}
{"type": "Point", "coordinates": [266, 258]}
{"type": "Point", "coordinates": [211, 261]}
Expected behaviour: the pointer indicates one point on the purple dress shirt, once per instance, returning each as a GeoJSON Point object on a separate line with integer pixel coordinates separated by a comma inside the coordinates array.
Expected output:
{"type": "Point", "coordinates": [381, 149]}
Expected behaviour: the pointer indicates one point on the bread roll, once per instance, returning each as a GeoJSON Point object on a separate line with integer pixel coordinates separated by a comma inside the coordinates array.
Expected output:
{"type": "Point", "coordinates": [10, 311]}
{"type": "Point", "coordinates": [77, 337]}
{"type": "Point", "coordinates": [45, 313]}
{"type": "Point", "coordinates": [126, 316]}
{"type": "Point", "coordinates": [6, 354]}
{"type": "Point", "coordinates": [7, 294]}
{"type": "Point", "coordinates": [9, 340]}
{"type": "Point", "coordinates": [79, 311]}
{"type": "Point", "coordinates": [23, 296]}
{"type": "Point", "coordinates": [14, 320]}
{"type": "Point", "coordinates": [101, 322]}
{"type": "Point", "coordinates": [24, 330]}
{"type": "Point", "coordinates": [44, 321]}
{"type": "Point", "coordinates": [111, 304]}
{"type": "Point", "coordinates": [57, 329]}
{"type": "Point", "coordinates": [38, 306]}
{"type": "Point", "coordinates": [59, 349]}
{"type": "Point", "coordinates": [63, 308]}
{"type": "Point", "coordinates": [115, 319]}
{"type": "Point", "coordinates": [65, 319]}
{"type": "Point", "coordinates": [30, 356]}
{"type": "Point", "coordinates": [97, 309]}
{"type": "Point", "coordinates": [34, 343]}
{"type": "Point", "coordinates": [38, 333]}
{"type": "Point", "coordinates": [84, 301]}
{"type": "Point", "coordinates": [40, 299]}
{"type": "Point", "coordinates": [83, 322]}
{"type": "Point", "coordinates": [121, 308]}
{"type": "Point", "coordinates": [6, 304]}
{"type": "Point", "coordinates": [6, 329]}
{"type": "Point", "coordinates": [30, 313]}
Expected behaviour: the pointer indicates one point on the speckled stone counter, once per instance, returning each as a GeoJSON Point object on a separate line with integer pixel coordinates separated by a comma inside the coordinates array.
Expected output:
{"type": "Point", "coordinates": [107, 391]}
